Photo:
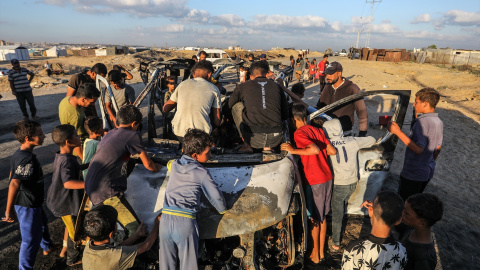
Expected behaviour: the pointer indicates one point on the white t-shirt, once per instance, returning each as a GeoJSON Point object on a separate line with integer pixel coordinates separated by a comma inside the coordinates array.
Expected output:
{"type": "Point", "coordinates": [195, 98]}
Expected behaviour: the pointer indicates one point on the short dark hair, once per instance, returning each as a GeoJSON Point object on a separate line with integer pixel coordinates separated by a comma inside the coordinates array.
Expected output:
{"type": "Point", "coordinates": [196, 141]}
{"type": "Point", "coordinates": [62, 133]}
{"type": "Point", "coordinates": [204, 64]}
{"type": "Point", "coordinates": [194, 57]}
{"type": "Point", "coordinates": [429, 95]}
{"type": "Point", "coordinates": [325, 56]}
{"type": "Point", "coordinates": [87, 90]}
{"type": "Point", "coordinates": [259, 67]}
{"type": "Point", "coordinates": [93, 124]}
{"type": "Point", "coordinates": [299, 111]}
{"type": "Point", "coordinates": [388, 206]}
{"type": "Point", "coordinates": [298, 88]}
{"type": "Point", "coordinates": [115, 67]}
{"type": "Point", "coordinates": [115, 76]}
{"type": "Point", "coordinates": [427, 207]}
{"type": "Point", "coordinates": [25, 128]}
{"type": "Point", "coordinates": [202, 52]}
{"type": "Point", "coordinates": [99, 68]}
{"type": "Point", "coordinates": [251, 55]}
{"type": "Point", "coordinates": [128, 114]}
{"type": "Point", "coordinates": [100, 222]}
{"type": "Point", "coordinates": [291, 57]}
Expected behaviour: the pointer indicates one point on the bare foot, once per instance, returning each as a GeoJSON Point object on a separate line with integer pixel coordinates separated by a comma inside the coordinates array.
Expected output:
{"type": "Point", "coordinates": [53, 248]}
{"type": "Point", "coordinates": [337, 248]}
{"type": "Point", "coordinates": [63, 252]}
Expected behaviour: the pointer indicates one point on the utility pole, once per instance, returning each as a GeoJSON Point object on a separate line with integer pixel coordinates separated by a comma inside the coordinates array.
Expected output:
{"type": "Point", "coordinates": [358, 37]}
{"type": "Point", "coordinates": [367, 41]}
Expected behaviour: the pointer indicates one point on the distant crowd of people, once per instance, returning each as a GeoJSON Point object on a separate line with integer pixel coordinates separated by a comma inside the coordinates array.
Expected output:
{"type": "Point", "coordinates": [95, 163]}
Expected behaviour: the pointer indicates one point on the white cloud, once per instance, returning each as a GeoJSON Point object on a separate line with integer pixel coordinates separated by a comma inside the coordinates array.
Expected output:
{"type": "Point", "coordinates": [459, 17]}
{"type": "Point", "coordinates": [228, 20]}
{"type": "Point", "coordinates": [197, 16]}
{"type": "Point", "coordinates": [424, 18]}
{"type": "Point", "coordinates": [288, 22]}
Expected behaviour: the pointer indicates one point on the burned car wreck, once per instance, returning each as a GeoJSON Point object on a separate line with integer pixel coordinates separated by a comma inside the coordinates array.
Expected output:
{"type": "Point", "coordinates": [265, 226]}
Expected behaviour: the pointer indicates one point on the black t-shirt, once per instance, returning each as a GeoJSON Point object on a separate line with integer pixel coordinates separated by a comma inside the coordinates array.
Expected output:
{"type": "Point", "coordinates": [62, 201]}
{"type": "Point", "coordinates": [265, 104]}
{"type": "Point", "coordinates": [25, 167]}
{"type": "Point", "coordinates": [420, 256]}
{"type": "Point", "coordinates": [107, 173]}
{"type": "Point", "coordinates": [78, 79]}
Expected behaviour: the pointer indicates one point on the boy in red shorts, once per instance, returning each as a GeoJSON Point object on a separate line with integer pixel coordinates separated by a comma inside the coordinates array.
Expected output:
{"type": "Point", "coordinates": [313, 148]}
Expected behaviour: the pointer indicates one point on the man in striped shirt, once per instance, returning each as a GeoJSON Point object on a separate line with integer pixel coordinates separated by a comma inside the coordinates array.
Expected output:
{"type": "Point", "coordinates": [20, 85]}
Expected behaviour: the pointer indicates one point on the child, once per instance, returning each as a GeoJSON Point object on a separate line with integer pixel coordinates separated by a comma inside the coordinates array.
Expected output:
{"type": "Point", "coordinates": [423, 144]}
{"type": "Point", "coordinates": [100, 225]}
{"type": "Point", "coordinates": [306, 70]}
{"type": "Point", "coordinates": [421, 212]}
{"type": "Point", "coordinates": [94, 128]}
{"type": "Point", "coordinates": [188, 178]}
{"type": "Point", "coordinates": [378, 250]}
{"type": "Point", "coordinates": [313, 148]}
{"type": "Point", "coordinates": [66, 191]}
{"type": "Point", "coordinates": [25, 194]}
{"type": "Point", "coordinates": [312, 70]}
{"type": "Point", "coordinates": [122, 93]}
{"type": "Point", "coordinates": [168, 116]}
{"type": "Point", "coordinates": [106, 179]}
{"type": "Point", "coordinates": [243, 74]}
{"type": "Point", "coordinates": [345, 172]}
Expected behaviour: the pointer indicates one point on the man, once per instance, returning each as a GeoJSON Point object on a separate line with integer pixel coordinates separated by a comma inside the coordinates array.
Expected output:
{"type": "Point", "coordinates": [263, 57]}
{"type": "Point", "coordinates": [70, 112]}
{"type": "Point", "coordinates": [299, 66]}
{"type": "Point", "coordinates": [20, 85]}
{"type": "Point", "coordinates": [259, 107]}
{"type": "Point", "coordinates": [88, 76]}
{"type": "Point", "coordinates": [195, 99]}
{"type": "Point", "coordinates": [337, 88]}
{"type": "Point", "coordinates": [203, 56]}
{"type": "Point", "coordinates": [48, 68]}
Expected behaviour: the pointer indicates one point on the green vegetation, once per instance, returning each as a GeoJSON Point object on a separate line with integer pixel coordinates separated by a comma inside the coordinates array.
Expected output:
{"type": "Point", "coordinates": [432, 46]}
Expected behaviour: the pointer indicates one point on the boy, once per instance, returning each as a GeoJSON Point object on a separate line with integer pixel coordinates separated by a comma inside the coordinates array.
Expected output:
{"type": "Point", "coordinates": [94, 128]}
{"type": "Point", "coordinates": [25, 194]}
{"type": "Point", "coordinates": [313, 148]}
{"type": "Point", "coordinates": [122, 93]}
{"type": "Point", "coordinates": [66, 191]}
{"type": "Point", "coordinates": [100, 225]}
{"type": "Point", "coordinates": [188, 178]}
{"type": "Point", "coordinates": [106, 179]}
{"type": "Point", "coordinates": [378, 250]}
{"type": "Point", "coordinates": [345, 172]}
{"type": "Point", "coordinates": [423, 144]}
{"type": "Point", "coordinates": [70, 112]}
{"type": "Point", "coordinates": [421, 212]}
{"type": "Point", "coordinates": [167, 122]}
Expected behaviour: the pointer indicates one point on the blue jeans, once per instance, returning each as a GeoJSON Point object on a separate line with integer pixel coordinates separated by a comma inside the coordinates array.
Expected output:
{"type": "Point", "coordinates": [340, 197]}
{"type": "Point", "coordinates": [34, 232]}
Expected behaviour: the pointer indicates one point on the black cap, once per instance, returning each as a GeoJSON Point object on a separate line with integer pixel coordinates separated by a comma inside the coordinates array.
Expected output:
{"type": "Point", "coordinates": [263, 55]}
{"type": "Point", "coordinates": [333, 67]}
{"type": "Point", "coordinates": [14, 61]}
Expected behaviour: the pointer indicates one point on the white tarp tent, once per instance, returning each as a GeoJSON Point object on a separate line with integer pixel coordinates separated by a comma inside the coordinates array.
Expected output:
{"type": "Point", "coordinates": [13, 52]}
{"type": "Point", "coordinates": [52, 52]}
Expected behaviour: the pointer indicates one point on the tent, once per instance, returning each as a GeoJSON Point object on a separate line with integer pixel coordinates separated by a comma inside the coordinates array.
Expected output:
{"type": "Point", "coordinates": [13, 52]}
{"type": "Point", "coordinates": [52, 52]}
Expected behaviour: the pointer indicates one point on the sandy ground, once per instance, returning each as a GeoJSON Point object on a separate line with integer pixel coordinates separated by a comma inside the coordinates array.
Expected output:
{"type": "Point", "coordinates": [455, 180]}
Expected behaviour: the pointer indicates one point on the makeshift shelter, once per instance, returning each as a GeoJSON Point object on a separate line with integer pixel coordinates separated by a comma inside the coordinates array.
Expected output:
{"type": "Point", "coordinates": [13, 52]}
{"type": "Point", "coordinates": [52, 52]}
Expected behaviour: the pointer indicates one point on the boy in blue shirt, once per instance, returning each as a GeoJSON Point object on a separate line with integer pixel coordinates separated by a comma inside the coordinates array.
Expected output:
{"type": "Point", "coordinates": [25, 194]}
{"type": "Point", "coordinates": [188, 178]}
{"type": "Point", "coordinates": [94, 128]}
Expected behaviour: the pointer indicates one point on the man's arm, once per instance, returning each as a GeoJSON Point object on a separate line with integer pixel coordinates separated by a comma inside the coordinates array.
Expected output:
{"type": "Point", "coordinates": [311, 149]}
{"type": "Point", "coordinates": [70, 91]}
{"type": "Point", "coordinates": [12, 86]}
{"type": "Point", "coordinates": [394, 128]}
{"type": "Point", "coordinates": [217, 117]}
{"type": "Point", "coordinates": [331, 150]}
{"type": "Point", "coordinates": [148, 163]}
{"type": "Point", "coordinates": [110, 111]}
{"type": "Point", "coordinates": [362, 114]}
{"type": "Point", "coordinates": [169, 105]}
{"type": "Point", "coordinates": [12, 195]}
{"type": "Point", "coordinates": [31, 77]}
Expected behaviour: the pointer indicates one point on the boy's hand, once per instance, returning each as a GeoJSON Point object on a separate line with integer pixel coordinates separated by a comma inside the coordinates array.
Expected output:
{"type": "Point", "coordinates": [286, 147]}
{"type": "Point", "coordinates": [394, 128]}
{"type": "Point", "coordinates": [157, 219]}
{"type": "Point", "coordinates": [367, 204]}
{"type": "Point", "coordinates": [9, 217]}
{"type": "Point", "coordinates": [141, 230]}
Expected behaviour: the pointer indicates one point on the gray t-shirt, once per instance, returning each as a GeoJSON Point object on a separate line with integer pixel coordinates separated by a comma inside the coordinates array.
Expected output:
{"type": "Point", "coordinates": [195, 98]}
{"type": "Point", "coordinates": [427, 132]}
{"type": "Point", "coordinates": [123, 96]}
{"type": "Point", "coordinates": [108, 257]}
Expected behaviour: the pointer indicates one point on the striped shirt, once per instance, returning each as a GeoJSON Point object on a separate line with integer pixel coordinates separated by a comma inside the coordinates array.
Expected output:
{"type": "Point", "coordinates": [20, 80]}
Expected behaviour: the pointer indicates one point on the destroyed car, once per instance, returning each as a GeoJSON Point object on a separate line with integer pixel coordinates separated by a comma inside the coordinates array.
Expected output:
{"type": "Point", "coordinates": [265, 226]}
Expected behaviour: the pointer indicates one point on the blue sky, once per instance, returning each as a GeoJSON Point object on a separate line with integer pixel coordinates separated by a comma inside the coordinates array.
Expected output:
{"type": "Point", "coordinates": [258, 24]}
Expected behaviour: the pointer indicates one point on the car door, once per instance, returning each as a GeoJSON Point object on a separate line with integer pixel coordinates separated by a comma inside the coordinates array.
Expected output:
{"type": "Point", "coordinates": [374, 162]}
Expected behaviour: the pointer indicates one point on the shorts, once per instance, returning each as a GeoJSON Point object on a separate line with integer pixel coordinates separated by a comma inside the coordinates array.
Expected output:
{"type": "Point", "coordinates": [318, 199]}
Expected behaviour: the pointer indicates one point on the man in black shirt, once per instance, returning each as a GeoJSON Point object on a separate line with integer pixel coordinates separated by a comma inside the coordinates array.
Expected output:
{"type": "Point", "coordinates": [259, 107]}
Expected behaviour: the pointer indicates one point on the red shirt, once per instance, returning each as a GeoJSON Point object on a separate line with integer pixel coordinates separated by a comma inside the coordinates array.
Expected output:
{"type": "Point", "coordinates": [321, 68]}
{"type": "Point", "coordinates": [312, 68]}
{"type": "Point", "coordinates": [315, 167]}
